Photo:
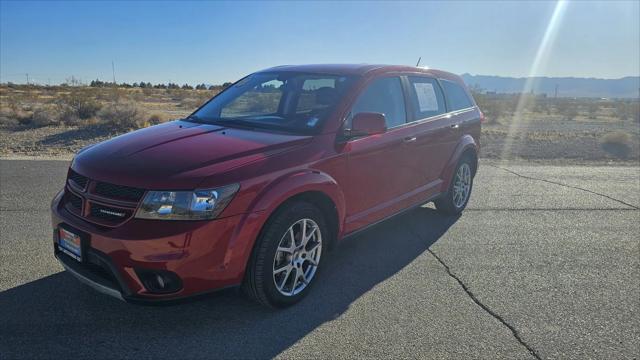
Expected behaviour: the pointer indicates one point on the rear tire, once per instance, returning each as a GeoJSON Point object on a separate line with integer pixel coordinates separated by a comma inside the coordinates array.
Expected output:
{"type": "Point", "coordinates": [457, 196]}
{"type": "Point", "coordinates": [285, 263]}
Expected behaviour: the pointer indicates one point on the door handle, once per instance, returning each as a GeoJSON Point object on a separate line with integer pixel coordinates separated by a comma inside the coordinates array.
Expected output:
{"type": "Point", "coordinates": [410, 139]}
{"type": "Point", "coordinates": [455, 126]}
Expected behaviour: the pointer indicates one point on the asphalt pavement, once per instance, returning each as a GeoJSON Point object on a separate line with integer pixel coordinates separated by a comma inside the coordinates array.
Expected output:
{"type": "Point", "coordinates": [544, 263]}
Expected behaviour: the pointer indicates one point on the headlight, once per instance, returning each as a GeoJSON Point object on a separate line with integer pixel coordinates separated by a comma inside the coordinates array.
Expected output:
{"type": "Point", "coordinates": [186, 205]}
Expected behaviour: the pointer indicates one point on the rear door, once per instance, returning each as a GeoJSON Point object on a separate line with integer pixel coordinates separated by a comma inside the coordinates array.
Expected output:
{"type": "Point", "coordinates": [435, 131]}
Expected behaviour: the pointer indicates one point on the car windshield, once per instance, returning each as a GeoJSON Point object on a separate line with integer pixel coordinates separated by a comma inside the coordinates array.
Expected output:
{"type": "Point", "coordinates": [294, 102]}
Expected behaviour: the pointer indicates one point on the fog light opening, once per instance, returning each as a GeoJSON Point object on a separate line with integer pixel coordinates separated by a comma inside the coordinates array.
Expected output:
{"type": "Point", "coordinates": [159, 281]}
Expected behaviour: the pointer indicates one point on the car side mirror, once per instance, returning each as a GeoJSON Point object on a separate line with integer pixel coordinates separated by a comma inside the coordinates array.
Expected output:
{"type": "Point", "coordinates": [368, 123]}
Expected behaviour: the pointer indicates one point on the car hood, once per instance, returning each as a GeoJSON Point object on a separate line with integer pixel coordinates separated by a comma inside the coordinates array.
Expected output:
{"type": "Point", "coordinates": [179, 154]}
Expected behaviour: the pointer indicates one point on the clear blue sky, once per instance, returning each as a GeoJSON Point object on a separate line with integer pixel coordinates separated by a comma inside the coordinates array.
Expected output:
{"type": "Point", "coordinates": [213, 42]}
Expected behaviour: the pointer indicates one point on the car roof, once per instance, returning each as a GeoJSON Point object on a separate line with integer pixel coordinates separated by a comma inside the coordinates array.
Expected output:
{"type": "Point", "coordinates": [362, 69]}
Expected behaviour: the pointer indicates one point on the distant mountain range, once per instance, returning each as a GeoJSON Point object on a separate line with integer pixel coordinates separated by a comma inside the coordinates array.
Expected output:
{"type": "Point", "coordinates": [626, 87]}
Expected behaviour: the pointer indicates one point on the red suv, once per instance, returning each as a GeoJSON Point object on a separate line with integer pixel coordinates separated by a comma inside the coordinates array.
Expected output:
{"type": "Point", "coordinates": [258, 184]}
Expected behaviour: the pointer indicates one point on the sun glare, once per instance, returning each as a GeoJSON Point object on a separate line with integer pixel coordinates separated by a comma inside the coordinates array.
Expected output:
{"type": "Point", "coordinates": [537, 68]}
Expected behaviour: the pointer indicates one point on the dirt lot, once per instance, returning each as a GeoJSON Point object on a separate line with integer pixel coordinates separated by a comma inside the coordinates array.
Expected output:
{"type": "Point", "coordinates": [58, 121]}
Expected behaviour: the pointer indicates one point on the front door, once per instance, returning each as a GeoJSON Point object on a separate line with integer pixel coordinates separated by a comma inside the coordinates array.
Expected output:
{"type": "Point", "coordinates": [379, 170]}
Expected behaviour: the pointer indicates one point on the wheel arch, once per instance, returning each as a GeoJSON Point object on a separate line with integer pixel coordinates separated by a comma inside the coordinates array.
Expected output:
{"type": "Point", "coordinates": [467, 146]}
{"type": "Point", "coordinates": [315, 187]}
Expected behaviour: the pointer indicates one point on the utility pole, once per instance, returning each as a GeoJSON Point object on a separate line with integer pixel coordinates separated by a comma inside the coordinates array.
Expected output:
{"type": "Point", "coordinates": [556, 92]}
{"type": "Point", "coordinates": [27, 78]}
{"type": "Point", "coordinates": [113, 70]}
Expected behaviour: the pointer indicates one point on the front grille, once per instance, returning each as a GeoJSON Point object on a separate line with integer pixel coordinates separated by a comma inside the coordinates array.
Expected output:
{"type": "Point", "coordinates": [118, 191]}
{"type": "Point", "coordinates": [74, 201]}
{"type": "Point", "coordinates": [100, 202]}
{"type": "Point", "coordinates": [109, 214]}
{"type": "Point", "coordinates": [78, 179]}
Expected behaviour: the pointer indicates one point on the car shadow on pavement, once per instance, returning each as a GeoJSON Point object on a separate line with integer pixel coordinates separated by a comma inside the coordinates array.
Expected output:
{"type": "Point", "coordinates": [58, 317]}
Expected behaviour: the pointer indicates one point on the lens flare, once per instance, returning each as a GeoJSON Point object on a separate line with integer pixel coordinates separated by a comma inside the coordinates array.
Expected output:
{"type": "Point", "coordinates": [539, 64]}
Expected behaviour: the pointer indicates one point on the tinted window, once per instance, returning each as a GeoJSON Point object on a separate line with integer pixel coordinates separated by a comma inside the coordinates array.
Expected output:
{"type": "Point", "coordinates": [457, 97]}
{"type": "Point", "coordinates": [316, 93]}
{"type": "Point", "coordinates": [382, 96]}
{"type": "Point", "coordinates": [287, 101]}
{"type": "Point", "coordinates": [427, 97]}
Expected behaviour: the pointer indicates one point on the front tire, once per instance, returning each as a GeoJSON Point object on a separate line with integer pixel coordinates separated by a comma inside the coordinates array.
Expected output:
{"type": "Point", "coordinates": [456, 198]}
{"type": "Point", "coordinates": [287, 256]}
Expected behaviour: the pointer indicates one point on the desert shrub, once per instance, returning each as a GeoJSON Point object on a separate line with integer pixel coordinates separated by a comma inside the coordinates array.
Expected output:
{"type": "Point", "coordinates": [69, 116]}
{"type": "Point", "coordinates": [45, 117]}
{"type": "Point", "coordinates": [109, 94]}
{"type": "Point", "coordinates": [82, 101]}
{"type": "Point", "coordinates": [10, 103]}
{"type": "Point", "coordinates": [38, 117]}
{"type": "Point", "coordinates": [567, 108]}
{"type": "Point", "coordinates": [617, 143]}
{"type": "Point", "coordinates": [629, 109]}
{"type": "Point", "coordinates": [8, 121]}
{"type": "Point", "coordinates": [191, 103]}
{"type": "Point", "coordinates": [155, 119]}
{"type": "Point", "coordinates": [148, 91]}
{"type": "Point", "coordinates": [178, 94]}
{"type": "Point", "coordinates": [121, 116]}
{"type": "Point", "coordinates": [492, 109]}
{"type": "Point", "coordinates": [592, 109]}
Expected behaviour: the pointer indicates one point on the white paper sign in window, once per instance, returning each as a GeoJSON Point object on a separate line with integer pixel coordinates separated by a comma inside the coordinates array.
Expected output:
{"type": "Point", "coordinates": [427, 100]}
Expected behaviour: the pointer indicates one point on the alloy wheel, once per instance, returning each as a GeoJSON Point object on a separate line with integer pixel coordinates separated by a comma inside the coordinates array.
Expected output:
{"type": "Point", "coordinates": [462, 185]}
{"type": "Point", "coordinates": [297, 257]}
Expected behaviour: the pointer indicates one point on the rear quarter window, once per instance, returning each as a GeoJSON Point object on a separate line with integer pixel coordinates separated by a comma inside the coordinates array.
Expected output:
{"type": "Point", "coordinates": [457, 97]}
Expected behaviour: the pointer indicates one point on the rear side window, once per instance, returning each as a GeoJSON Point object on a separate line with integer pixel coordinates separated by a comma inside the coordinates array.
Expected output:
{"type": "Point", "coordinates": [456, 96]}
{"type": "Point", "coordinates": [427, 97]}
{"type": "Point", "coordinates": [384, 96]}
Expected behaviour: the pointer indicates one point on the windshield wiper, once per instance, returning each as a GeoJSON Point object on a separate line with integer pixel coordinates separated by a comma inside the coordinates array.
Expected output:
{"type": "Point", "coordinates": [196, 119]}
{"type": "Point", "coordinates": [235, 123]}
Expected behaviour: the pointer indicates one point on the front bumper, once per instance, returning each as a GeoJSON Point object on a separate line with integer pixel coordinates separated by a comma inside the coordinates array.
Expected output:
{"type": "Point", "coordinates": [99, 283]}
{"type": "Point", "coordinates": [205, 255]}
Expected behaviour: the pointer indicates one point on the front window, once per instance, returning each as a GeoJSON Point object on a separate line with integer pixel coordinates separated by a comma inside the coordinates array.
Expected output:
{"type": "Point", "coordinates": [295, 102]}
{"type": "Point", "coordinates": [383, 96]}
